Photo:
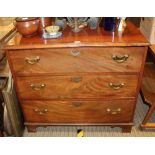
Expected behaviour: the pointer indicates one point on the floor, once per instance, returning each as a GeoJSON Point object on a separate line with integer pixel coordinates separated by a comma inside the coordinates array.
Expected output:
{"type": "Point", "coordinates": [95, 131]}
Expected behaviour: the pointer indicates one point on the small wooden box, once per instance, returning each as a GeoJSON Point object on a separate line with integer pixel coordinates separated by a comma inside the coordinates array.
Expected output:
{"type": "Point", "coordinates": [147, 27]}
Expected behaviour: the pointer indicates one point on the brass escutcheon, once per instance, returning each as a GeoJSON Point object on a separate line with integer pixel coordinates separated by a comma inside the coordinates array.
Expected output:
{"type": "Point", "coordinates": [75, 53]}
{"type": "Point", "coordinates": [76, 79]}
{"type": "Point", "coordinates": [77, 104]}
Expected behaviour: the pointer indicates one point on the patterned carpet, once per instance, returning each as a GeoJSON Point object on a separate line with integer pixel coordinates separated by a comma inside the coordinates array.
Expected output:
{"type": "Point", "coordinates": [98, 131]}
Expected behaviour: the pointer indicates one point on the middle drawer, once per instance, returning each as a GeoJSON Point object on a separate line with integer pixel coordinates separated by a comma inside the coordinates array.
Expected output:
{"type": "Point", "coordinates": [84, 86]}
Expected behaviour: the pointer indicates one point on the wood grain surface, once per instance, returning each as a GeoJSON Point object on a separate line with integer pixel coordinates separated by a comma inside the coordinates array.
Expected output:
{"type": "Point", "coordinates": [78, 111]}
{"type": "Point", "coordinates": [77, 60]}
{"type": "Point", "coordinates": [61, 87]}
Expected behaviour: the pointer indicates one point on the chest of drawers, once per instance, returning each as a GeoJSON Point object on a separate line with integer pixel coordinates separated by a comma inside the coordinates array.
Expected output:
{"type": "Point", "coordinates": [92, 82]}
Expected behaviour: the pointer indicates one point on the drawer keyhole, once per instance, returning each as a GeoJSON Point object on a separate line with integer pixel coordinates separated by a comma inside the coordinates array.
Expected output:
{"type": "Point", "coordinates": [77, 104]}
{"type": "Point", "coordinates": [76, 79]}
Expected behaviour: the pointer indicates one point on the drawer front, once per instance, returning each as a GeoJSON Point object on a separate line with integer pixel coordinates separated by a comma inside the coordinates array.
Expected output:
{"type": "Point", "coordinates": [68, 60]}
{"type": "Point", "coordinates": [78, 111]}
{"type": "Point", "coordinates": [84, 86]}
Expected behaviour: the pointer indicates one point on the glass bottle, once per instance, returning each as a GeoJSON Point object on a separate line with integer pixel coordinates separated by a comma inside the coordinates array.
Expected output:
{"type": "Point", "coordinates": [110, 23]}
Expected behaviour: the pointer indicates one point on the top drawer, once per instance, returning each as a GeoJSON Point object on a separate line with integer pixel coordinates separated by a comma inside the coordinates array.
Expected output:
{"type": "Point", "coordinates": [69, 60]}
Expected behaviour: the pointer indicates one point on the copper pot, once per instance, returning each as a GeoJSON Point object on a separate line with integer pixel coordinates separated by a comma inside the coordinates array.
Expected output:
{"type": "Point", "coordinates": [27, 26]}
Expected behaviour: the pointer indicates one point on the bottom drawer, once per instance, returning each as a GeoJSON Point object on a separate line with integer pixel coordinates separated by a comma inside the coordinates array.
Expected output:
{"type": "Point", "coordinates": [78, 111]}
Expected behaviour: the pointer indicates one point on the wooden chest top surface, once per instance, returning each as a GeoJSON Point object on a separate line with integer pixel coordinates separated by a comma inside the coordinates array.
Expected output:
{"type": "Point", "coordinates": [130, 37]}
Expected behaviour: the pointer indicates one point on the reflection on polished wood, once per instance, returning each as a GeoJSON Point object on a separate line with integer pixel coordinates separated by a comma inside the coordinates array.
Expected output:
{"type": "Point", "coordinates": [130, 37]}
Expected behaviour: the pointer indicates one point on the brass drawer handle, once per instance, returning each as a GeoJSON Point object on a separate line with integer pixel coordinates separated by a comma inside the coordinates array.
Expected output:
{"type": "Point", "coordinates": [75, 53]}
{"type": "Point", "coordinates": [114, 111]}
{"type": "Point", "coordinates": [32, 61]}
{"type": "Point", "coordinates": [116, 86]}
{"type": "Point", "coordinates": [119, 58]}
{"type": "Point", "coordinates": [77, 104]}
{"type": "Point", "coordinates": [76, 79]}
{"type": "Point", "coordinates": [41, 111]}
{"type": "Point", "coordinates": [37, 86]}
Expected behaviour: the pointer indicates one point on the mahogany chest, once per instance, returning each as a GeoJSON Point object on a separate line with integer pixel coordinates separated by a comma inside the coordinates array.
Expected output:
{"type": "Point", "coordinates": [89, 78]}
